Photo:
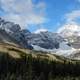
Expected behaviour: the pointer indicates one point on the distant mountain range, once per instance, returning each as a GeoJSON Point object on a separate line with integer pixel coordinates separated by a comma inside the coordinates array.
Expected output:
{"type": "Point", "coordinates": [66, 42]}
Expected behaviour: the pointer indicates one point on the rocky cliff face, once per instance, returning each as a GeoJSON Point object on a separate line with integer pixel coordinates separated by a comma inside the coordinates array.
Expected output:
{"type": "Point", "coordinates": [15, 32]}
{"type": "Point", "coordinates": [45, 39]}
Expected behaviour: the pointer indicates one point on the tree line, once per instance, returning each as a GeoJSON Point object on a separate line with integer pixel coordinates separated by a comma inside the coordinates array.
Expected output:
{"type": "Point", "coordinates": [30, 68]}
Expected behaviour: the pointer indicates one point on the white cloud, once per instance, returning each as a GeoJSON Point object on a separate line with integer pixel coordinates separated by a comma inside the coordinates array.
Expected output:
{"type": "Point", "coordinates": [23, 12]}
{"type": "Point", "coordinates": [70, 17]}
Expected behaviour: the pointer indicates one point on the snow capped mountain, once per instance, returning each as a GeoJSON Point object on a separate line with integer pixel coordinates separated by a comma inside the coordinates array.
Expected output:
{"type": "Point", "coordinates": [9, 27]}
{"type": "Point", "coordinates": [41, 40]}
{"type": "Point", "coordinates": [65, 42]}
{"type": "Point", "coordinates": [15, 32]}
{"type": "Point", "coordinates": [71, 33]}
{"type": "Point", "coordinates": [63, 49]}
{"type": "Point", "coordinates": [69, 30]}
{"type": "Point", "coordinates": [46, 40]}
{"type": "Point", "coordinates": [51, 42]}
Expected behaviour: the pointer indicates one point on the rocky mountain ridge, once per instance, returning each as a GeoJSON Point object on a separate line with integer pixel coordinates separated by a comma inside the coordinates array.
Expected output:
{"type": "Point", "coordinates": [44, 40]}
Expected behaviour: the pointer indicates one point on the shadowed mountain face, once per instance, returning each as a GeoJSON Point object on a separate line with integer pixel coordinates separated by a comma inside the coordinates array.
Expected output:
{"type": "Point", "coordinates": [4, 37]}
{"type": "Point", "coordinates": [45, 40]}
{"type": "Point", "coordinates": [10, 32]}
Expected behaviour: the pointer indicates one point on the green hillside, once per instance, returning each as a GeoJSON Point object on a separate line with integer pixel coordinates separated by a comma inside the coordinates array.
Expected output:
{"type": "Point", "coordinates": [23, 64]}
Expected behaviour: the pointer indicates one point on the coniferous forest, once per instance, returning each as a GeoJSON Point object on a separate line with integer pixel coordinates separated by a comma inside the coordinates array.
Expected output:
{"type": "Point", "coordinates": [30, 68]}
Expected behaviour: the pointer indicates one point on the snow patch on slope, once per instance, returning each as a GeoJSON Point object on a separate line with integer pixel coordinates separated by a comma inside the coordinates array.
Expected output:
{"type": "Point", "coordinates": [40, 30]}
{"type": "Point", "coordinates": [63, 49]}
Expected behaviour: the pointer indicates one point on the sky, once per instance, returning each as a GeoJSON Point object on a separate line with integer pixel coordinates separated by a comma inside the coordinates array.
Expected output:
{"type": "Point", "coordinates": [41, 14]}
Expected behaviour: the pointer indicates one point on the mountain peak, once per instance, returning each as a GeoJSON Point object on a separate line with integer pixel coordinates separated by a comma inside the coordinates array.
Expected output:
{"type": "Point", "coordinates": [69, 30]}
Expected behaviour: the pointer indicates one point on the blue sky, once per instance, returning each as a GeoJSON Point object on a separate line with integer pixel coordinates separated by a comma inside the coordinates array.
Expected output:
{"type": "Point", "coordinates": [45, 14]}
{"type": "Point", "coordinates": [57, 9]}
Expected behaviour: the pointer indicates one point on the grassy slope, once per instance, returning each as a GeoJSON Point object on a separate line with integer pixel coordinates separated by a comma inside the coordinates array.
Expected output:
{"type": "Point", "coordinates": [15, 51]}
